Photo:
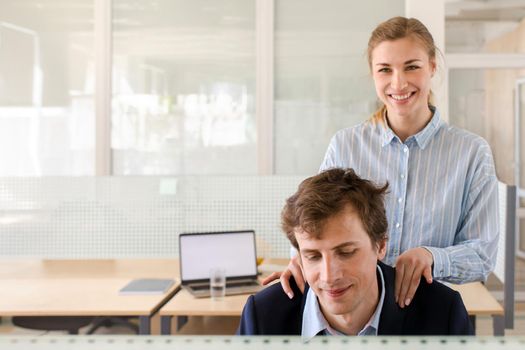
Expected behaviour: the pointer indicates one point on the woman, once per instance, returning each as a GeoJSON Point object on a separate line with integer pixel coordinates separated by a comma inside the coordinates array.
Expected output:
{"type": "Point", "coordinates": [442, 205]}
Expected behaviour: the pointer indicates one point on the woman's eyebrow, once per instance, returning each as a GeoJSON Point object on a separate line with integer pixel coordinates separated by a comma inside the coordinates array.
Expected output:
{"type": "Point", "coordinates": [413, 60]}
{"type": "Point", "coordinates": [406, 62]}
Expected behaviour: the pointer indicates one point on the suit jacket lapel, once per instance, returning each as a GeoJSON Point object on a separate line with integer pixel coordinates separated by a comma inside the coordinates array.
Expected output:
{"type": "Point", "coordinates": [392, 316]}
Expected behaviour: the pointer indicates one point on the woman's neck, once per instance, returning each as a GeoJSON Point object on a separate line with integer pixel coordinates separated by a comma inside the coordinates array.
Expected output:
{"type": "Point", "coordinates": [406, 126]}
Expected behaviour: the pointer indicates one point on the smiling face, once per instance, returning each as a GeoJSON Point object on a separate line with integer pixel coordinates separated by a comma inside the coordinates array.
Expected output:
{"type": "Point", "coordinates": [340, 266]}
{"type": "Point", "coordinates": [402, 71]}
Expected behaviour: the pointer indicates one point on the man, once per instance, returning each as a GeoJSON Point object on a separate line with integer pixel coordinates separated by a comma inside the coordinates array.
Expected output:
{"type": "Point", "coordinates": [337, 222]}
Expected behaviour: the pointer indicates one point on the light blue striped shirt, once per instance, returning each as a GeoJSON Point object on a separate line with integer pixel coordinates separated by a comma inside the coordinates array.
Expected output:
{"type": "Point", "coordinates": [442, 192]}
{"type": "Point", "coordinates": [314, 321]}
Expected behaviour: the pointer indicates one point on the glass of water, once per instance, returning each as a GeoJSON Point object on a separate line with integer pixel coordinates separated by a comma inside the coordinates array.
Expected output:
{"type": "Point", "coordinates": [217, 283]}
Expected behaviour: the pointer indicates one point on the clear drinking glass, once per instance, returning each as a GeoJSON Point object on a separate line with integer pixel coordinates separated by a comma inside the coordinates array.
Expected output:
{"type": "Point", "coordinates": [217, 283]}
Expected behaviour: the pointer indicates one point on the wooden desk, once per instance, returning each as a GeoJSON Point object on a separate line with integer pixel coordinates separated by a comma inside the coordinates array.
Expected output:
{"type": "Point", "coordinates": [82, 288]}
{"type": "Point", "coordinates": [90, 288]}
{"type": "Point", "coordinates": [184, 304]}
{"type": "Point", "coordinates": [479, 302]}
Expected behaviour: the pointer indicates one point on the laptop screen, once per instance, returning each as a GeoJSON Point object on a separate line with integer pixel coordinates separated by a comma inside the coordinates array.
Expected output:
{"type": "Point", "coordinates": [232, 251]}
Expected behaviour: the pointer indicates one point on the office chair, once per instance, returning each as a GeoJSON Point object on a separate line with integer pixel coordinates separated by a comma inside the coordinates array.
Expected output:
{"type": "Point", "coordinates": [112, 321]}
{"type": "Point", "coordinates": [71, 324]}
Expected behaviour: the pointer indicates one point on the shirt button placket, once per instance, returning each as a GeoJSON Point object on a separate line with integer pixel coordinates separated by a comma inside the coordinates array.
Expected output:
{"type": "Point", "coordinates": [403, 175]}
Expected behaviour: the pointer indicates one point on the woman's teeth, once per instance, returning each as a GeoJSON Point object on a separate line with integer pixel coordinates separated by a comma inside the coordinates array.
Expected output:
{"type": "Point", "coordinates": [401, 97]}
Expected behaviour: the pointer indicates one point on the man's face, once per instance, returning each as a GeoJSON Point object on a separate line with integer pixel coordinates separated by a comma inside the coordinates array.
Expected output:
{"type": "Point", "coordinates": [340, 267]}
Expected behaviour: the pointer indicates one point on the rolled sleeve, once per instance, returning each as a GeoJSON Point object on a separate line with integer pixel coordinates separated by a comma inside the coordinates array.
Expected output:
{"type": "Point", "coordinates": [441, 262]}
{"type": "Point", "coordinates": [473, 255]}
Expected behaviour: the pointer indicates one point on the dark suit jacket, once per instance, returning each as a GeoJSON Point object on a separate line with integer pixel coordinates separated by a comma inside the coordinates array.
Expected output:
{"type": "Point", "coordinates": [435, 310]}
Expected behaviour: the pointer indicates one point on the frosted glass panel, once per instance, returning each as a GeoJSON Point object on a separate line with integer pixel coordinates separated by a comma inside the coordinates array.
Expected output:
{"type": "Point", "coordinates": [46, 88]}
{"type": "Point", "coordinates": [137, 216]}
{"type": "Point", "coordinates": [183, 87]}
{"type": "Point", "coordinates": [322, 83]}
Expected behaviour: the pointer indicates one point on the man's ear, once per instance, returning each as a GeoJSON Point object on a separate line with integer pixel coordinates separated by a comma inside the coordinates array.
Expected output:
{"type": "Point", "coordinates": [381, 249]}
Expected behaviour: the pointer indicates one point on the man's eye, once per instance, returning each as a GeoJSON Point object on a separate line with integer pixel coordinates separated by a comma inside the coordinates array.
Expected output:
{"type": "Point", "coordinates": [312, 257]}
{"type": "Point", "coordinates": [348, 253]}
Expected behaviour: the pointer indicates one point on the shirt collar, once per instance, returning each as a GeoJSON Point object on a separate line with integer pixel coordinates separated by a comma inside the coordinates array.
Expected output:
{"type": "Point", "coordinates": [372, 326]}
{"type": "Point", "coordinates": [387, 134]}
{"type": "Point", "coordinates": [422, 138]}
{"type": "Point", "coordinates": [315, 323]}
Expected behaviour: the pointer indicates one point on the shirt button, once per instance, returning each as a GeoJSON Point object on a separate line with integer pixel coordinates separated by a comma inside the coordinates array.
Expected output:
{"type": "Point", "coordinates": [405, 149]}
{"type": "Point", "coordinates": [402, 176]}
{"type": "Point", "coordinates": [398, 224]}
{"type": "Point", "coordinates": [399, 200]}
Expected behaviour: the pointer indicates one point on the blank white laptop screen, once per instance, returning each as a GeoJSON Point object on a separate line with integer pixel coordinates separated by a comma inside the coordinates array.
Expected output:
{"type": "Point", "coordinates": [232, 251]}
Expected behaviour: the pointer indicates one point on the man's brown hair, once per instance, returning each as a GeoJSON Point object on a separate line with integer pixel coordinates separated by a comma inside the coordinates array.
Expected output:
{"type": "Point", "coordinates": [326, 194]}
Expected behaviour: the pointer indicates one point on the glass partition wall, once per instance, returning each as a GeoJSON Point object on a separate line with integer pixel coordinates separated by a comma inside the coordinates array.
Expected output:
{"type": "Point", "coordinates": [184, 78]}
{"type": "Point", "coordinates": [184, 81]}
{"type": "Point", "coordinates": [46, 88]}
{"type": "Point", "coordinates": [322, 80]}
{"type": "Point", "coordinates": [183, 87]}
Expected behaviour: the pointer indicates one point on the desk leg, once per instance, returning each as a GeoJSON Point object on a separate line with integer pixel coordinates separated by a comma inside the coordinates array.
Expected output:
{"type": "Point", "coordinates": [498, 324]}
{"type": "Point", "coordinates": [165, 325]}
{"type": "Point", "coordinates": [144, 325]}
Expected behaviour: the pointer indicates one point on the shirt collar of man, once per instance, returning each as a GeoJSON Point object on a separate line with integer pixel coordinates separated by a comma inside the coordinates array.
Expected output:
{"type": "Point", "coordinates": [422, 138]}
{"type": "Point", "coordinates": [315, 323]}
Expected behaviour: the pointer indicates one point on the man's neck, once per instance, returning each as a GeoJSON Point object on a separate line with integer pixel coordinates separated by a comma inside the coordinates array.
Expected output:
{"type": "Point", "coordinates": [353, 322]}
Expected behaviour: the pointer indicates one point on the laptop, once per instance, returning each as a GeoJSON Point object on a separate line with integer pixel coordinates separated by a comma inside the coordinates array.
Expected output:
{"type": "Point", "coordinates": [233, 251]}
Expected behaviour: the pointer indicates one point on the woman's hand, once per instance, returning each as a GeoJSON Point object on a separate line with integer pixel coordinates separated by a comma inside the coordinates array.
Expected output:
{"type": "Point", "coordinates": [293, 269]}
{"type": "Point", "coordinates": [410, 266]}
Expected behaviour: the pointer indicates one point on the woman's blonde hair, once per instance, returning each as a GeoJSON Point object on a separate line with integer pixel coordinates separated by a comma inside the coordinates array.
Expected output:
{"type": "Point", "coordinates": [398, 28]}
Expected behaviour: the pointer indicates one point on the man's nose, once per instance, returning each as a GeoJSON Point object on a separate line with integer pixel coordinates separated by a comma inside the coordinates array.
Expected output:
{"type": "Point", "coordinates": [330, 270]}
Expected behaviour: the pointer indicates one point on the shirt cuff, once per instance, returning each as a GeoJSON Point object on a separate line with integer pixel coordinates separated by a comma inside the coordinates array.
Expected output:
{"type": "Point", "coordinates": [442, 265]}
